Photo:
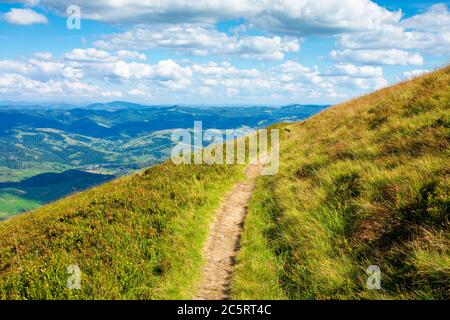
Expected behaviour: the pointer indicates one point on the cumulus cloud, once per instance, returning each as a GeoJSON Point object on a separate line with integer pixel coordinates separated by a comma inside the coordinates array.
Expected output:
{"type": "Point", "coordinates": [199, 40]}
{"type": "Point", "coordinates": [224, 78]}
{"type": "Point", "coordinates": [44, 55]}
{"type": "Point", "coordinates": [289, 79]}
{"type": "Point", "coordinates": [428, 31]}
{"type": "Point", "coordinates": [89, 55]}
{"type": "Point", "coordinates": [346, 69]}
{"type": "Point", "coordinates": [132, 55]}
{"type": "Point", "coordinates": [166, 72]}
{"type": "Point", "coordinates": [378, 57]}
{"type": "Point", "coordinates": [435, 19]}
{"type": "Point", "coordinates": [40, 69]}
{"type": "Point", "coordinates": [223, 70]}
{"type": "Point", "coordinates": [293, 71]}
{"type": "Point", "coordinates": [117, 67]}
{"type": "Point", "coordinates": [21, 85]}
{"type": "Point", "coordinates": [282, 16]}
{"type": "Point", "coordinates": [407, 75]}
{"type": "Point", "coordinates": [24, 17]}
{"type": "Point", "coordinates": [366, 84]}
{"type": "Point", "coordinates": [309, 17]}
{"type": "Point", "coordinates": [264, 48]}
{"type": "Point", "coordinates": [140, 91]}
{"type": "Point", "coordinates": [93, 73]}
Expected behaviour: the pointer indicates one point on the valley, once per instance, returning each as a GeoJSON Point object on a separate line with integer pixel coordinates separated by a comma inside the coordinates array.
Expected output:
{"type": "Point", "coordinates": [105, 139]}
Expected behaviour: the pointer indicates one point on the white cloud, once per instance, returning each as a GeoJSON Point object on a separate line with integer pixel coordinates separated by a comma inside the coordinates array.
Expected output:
{"type": "Point", "coordinates": [293, 71]}
{"type": "Point", "coordinates": [223, 71]}
{"type": "Point", "coordinates": [407, 75]}
{"type": "Point", "coordinates": [264, 48]}
{"type": "Point", "coordinates": [132, 55]}
{"type": "Point", "coordinates": [166, 73]}
{"type": "Point", "coordinates": [46, 74]}
{"type": "Point", "coordinates": [224, 79]}
{"type": "Point", "coordinates": [200, 40]}
{"type": "Point", "coordinates": [14, 66]}
{"type": "Point", "coordinates": [288, 79]}
{"type": "Point", "coordinates": [346, 69]}
{"type": "Point", "coordinates": [97, 57]}
{"type": "Point", "coordinates": [40, 69]}
{"type": "Point", "coordinates": [166, 70]}
{"type": "Point", "coordinates": [89, 55]}
{"type": "Point", "coordinates": [28, 3]}
{"type": "Point", "coordinates": [232, 92]}
{"type": "Point", "coordinates": [428, 32]}
{"type": "Point", "coordinates": [54, 69]}
{"type": "Point", "coordinates": [45, 55]}
{"type": "Point", "coordinates": [15, 84]}
{"type": "Point", "coordinates": [435, 19]}
{"type": "Point", "coordinates": [366, 84]}
{"type": "Point", "coordinates": [24, 17]}
{"type": "Point", "coordinates": [100, 65]}
{"type": "Point", "coordinates": [159, 11]}
{"type": "Point", "coordinates": [111, 94]}
{"type": "Point", "coordinates": [378, 57]}
{"type": "Point", "coordinates": [140, 91]}
{"type": "Point", "coordinates": [298, 17]}
{"type": "Point", "coordinates": [88, 73]}
{"type": "Point", "coordinates": [307, 17]}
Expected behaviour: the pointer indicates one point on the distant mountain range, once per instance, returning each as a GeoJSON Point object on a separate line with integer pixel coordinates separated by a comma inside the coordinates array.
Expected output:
{"type": "Point", "coordinates": [111, 105]}
{"type": "Point", "coordinates": [122, 118]}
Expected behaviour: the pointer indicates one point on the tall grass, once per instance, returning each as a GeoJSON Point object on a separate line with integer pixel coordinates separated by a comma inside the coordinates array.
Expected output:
{"type": "Point", "coordinates": [138, 237]}
{"type": "Point", "coordinates": [363, 183]}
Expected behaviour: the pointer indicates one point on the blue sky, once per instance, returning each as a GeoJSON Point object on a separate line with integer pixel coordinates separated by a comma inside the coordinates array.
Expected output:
{"type": "Point", "coordinates": [216, 52]}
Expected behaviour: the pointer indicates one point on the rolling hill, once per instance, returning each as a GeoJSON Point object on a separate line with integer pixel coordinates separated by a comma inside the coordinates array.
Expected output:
{"type": "Point", "coordinates": [363, 183]}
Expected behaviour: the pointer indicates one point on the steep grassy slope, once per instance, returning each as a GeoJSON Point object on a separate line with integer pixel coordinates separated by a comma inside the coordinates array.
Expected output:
{"type": "Point", "coordinates": [138, 237]}
{"type": "Point", "coordinates": [363, 183]}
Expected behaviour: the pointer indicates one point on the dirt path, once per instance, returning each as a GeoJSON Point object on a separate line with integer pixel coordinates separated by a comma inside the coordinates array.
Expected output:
{"type": "Point", "coordinates": [222, 243]}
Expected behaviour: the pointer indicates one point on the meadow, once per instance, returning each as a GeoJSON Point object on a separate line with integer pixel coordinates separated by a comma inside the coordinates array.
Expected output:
{"type": "Point", "coordinates": [137, 237]}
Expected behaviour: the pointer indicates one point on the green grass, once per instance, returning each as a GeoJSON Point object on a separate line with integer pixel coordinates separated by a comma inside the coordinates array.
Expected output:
{"type": "Point", "coordinates": [22, 197]}
{"type": "Point", "coordinates": [12, 201]}
{"type": "Point", "coordinates": [363, 183]}
{"type": "Point", "coordinates": [16, 175]}
{"type": "Point", "coordinates": [138, 237]}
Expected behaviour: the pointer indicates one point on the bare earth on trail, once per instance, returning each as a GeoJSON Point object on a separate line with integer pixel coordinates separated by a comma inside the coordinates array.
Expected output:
{"type": "Point", "coordinates": [223, 239]}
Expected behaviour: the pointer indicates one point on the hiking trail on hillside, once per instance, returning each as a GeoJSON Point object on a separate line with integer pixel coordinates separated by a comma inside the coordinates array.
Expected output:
{"type": "Point", "coordinates": [223, 240]}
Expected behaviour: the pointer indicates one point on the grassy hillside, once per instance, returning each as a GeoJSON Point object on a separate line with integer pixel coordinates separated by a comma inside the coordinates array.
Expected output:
{"type": "Point", "coordinates": [138, 237]}
{"type": "Point", "coordinates": [363, 183]}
